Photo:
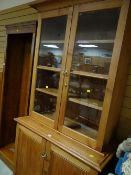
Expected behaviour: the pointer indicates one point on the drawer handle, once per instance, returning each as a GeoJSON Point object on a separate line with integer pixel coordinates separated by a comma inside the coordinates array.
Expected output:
{"type": "Point", "coordinates": [44, 156]}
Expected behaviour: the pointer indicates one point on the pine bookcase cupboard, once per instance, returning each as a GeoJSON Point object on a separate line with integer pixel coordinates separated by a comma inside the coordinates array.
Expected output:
{"type": "Point", "coordinates": [80, 70]}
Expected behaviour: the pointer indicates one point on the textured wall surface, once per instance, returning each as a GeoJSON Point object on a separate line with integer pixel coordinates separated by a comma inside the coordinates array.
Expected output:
{"type": "Point", "coordinates": [124, 126]}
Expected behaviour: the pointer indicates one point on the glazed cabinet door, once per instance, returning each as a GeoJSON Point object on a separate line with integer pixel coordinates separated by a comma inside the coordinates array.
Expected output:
{"type": "Point", "coordinates": [29, 149]}
{"type": "Point", "coordinates": [49, 68]}
{"type": "Point", "coordinates": [89, 58]}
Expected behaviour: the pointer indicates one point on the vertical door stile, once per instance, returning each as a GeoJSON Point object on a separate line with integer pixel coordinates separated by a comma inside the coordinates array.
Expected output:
{"type": "Point", "coordinates": [35, 65]}
{"type": "Point", "coordinates": [63, 68]}
{"type": "Point", "coordinates": [68, 66]}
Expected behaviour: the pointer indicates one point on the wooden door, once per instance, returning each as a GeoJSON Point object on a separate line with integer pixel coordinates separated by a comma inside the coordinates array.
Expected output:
{"type": "Point", "coordinates": [83, 113]}
{"type": "Point", "coordinates": [29, 148]}
{"type": "Point", "coordinates": [49, 65]}
{"type": "Point", "coordinates": [17, 80]}
{"type": "Point", "coordinates": [62, 163]}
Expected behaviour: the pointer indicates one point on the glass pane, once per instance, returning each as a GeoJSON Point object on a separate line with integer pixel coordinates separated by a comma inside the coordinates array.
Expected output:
{"type": "Point", "coordinates": [47, 79]}
{"type": "Point", "coordinates": [52, 41]}
{"type": "Point", "coordinates": [82, 119]}
{"type": "Point", "coordinates": [90, 65]}
{"type": "Point", "coordinates": [49, 64]}
{"type": "Point", "coordinates": [95, 40]}
{"type": "Point", "coordinates": [45, 104]}
{"type": "Point", "coordinates": [82, 88]}
{"type": "Point", "coordinates": [85, 99]}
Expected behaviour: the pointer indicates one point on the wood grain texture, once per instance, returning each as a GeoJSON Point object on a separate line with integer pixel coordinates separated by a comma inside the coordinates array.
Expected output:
{"type": "Point", "coordinates": [17, 15]}
{"type": "Point", "coordinates": [16, 87]}
{"type": "Point", "coordinates": [26, 76]}
{"type": "Point", "coordinates": [117, 79]}
{"type": "Point", "coordinates": [29, 150]}
{"type": "Point", "coordinates": [83, 153]}
{"type": "Point", "coordinates": [68, 66]}
{"type": "Point", "coordinates": [11, 88]}
{"type": "Point", "coordinates": [46, 6]}
{"type": "Point", "coordinates": [3, 41]}
{"type": "Point", "coordinates": [1, 87]}
{"type": "Point", "coordinates": [57, 162]}
{"type": "Point", "coordinates": [99, 6]}
{"type": "Point", "coordinates": [7, 154]}
{"type": "Point", "coordinates": [35, 65]}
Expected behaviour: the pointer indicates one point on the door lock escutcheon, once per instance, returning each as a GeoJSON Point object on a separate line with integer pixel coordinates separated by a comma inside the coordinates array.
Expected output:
{"type": "Point", "coordinates": [44, 155]}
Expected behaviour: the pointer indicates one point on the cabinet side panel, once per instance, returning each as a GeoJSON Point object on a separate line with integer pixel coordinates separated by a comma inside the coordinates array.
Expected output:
{"type": "Point", "coordinates": [117, 79]}
{"type": "Point", "coordinates": [121, 78]}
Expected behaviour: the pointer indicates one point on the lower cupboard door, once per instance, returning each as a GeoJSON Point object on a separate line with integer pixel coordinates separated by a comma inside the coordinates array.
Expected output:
{"type": "Point", "coordinates": [28, 156]}
{"type": "Point", "coordinates": [62, 163]}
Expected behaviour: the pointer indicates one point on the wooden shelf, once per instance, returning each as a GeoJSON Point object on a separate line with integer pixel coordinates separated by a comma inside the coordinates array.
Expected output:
{"type": "Point", "coordinates": [92, 103]}
{"type": "Point", "coordinates": [89, 74]}
{"type": "Point", "coordinates": [52, 42]}
{"type": "Point", "coordinates": [54, 69]}
{"type": "Point", "coordinates": [95, 41]}
{"type": "Point", "coordinates": [79, 41]}
{"type": "Point", "coordinates": [50, 91]}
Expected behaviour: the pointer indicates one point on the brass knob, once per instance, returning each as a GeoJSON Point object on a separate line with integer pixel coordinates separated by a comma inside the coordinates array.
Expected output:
{"type": "Point", "coordinates": [66, 84]}
{"type": "Point", "coordinates": [65, 73]}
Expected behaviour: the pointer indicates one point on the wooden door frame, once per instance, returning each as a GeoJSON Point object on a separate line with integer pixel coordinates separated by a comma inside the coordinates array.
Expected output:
{"type": "Point", "coordinates": [13, 29]}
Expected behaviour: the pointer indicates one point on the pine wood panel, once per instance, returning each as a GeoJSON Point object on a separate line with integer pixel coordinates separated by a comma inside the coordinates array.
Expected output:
{"type": "Point", "coordinates": [26, 11]}
{"type": "Point", "coordinates": [87, 155]}
{"type": "Point", "coordinates": [2, 38]}
{"type": "Point", "coordinates": [29, 149]}
{"type": "Point", "coordinates": [125, 113]}
{"type": "Point", "coordinates": [124, 128]}
{"type": "Point", "coordinates": [56, 164]}
{"type": "Point", "coordinates": [17, 15]}
{"type": "Point", "coordinates": [1, 90]}
{"type": "Point", "coordinates": [128, 91]}
{"type": "Point", "coordinates": [3, 43]}
{"type": "Point", "coordinates": [129, 80]}
{"type": "Point", "coordinates": [19, 19]}
{"type": "Point", "coordinates": [72, 165]}
{"type": "Point", "coordinates": [35, 64]}
{"type": "Point", "coordinates": [127, 102]}
{"type": "Point", "coordinates": [2, 55]}
{"type": "Point", "coordinates": [130, 70]}
{"type": "Point", "coordinates": [68, 66]}
{"type": "Point", "coordinates": [13, 9]}
{"type": "Point", "coordinates": [118, 78]}
{"type": "Point", "coordinates": [26, 75]}
{"type": "Point", "coordinates": [58, 4]}
{"type": "Point", "coordinates": [2, 33]}
{"type": "Point", "coordinates": [2, 49]}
